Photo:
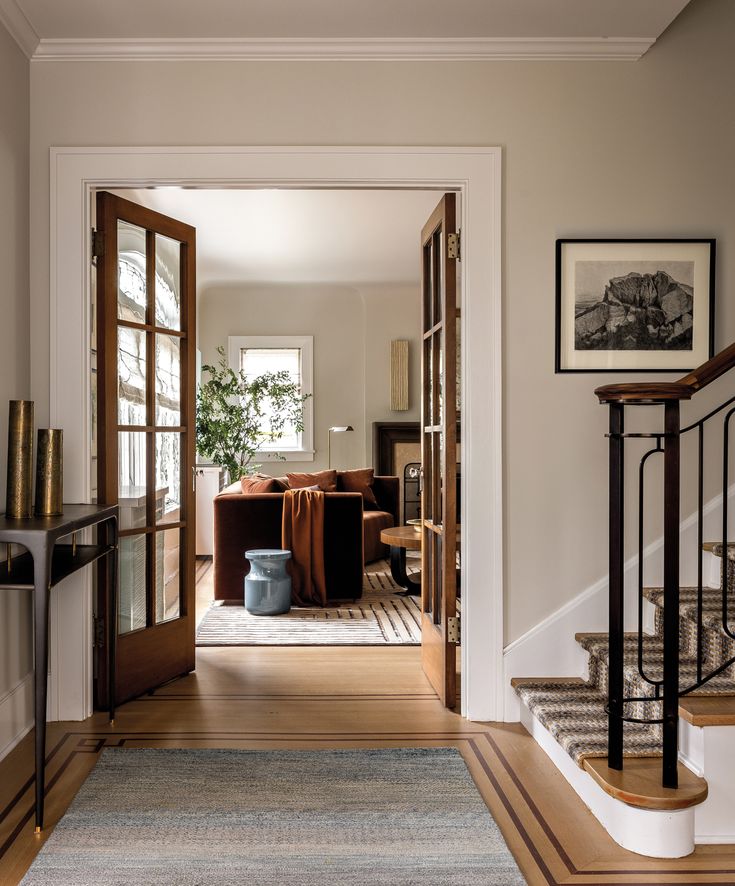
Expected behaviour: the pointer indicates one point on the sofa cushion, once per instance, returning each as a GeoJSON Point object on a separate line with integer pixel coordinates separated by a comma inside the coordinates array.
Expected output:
{"type": "Point", "coordinates": [281, 482]}
{"type": "Point", "coordinates": [359, 481]}
{"type": "Point", "coordinates": [373, 523]}
{"type": "Point", "coordinates": [325, 480]}
{"type": "Point", "coordinates": [256, 485]}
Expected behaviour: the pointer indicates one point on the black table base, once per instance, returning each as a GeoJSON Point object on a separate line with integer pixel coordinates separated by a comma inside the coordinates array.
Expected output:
{"type": "Point", "coordinates": [400, 576]}
{"type": "Point", "coordinates": [45, 564]}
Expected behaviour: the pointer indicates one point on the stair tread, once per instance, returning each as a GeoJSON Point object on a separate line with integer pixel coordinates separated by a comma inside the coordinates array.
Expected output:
{"type": "Point", "coordinates": [596, 644]}
{"type": "Point", "coordinates": [715, 547]}
{"type": "Point", "coordinates": [711, 607]}
{"type": "Point", "coordinates": [708, 710]}
{"type": "Point", "coordinates": [639, 784]}
{"type": "Point", "coordinates": [574, 713]}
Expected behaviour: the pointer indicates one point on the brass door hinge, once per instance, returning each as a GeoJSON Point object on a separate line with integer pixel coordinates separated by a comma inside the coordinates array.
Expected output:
{"type": "Point", "coordinates": [98, 244]}
{"type": "Point", "coordinates": [453, 630]}
{"type": "Point", "coordinates": [454, 246]}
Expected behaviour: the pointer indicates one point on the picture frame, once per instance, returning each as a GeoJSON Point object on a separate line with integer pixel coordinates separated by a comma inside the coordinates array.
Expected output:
{"type": "Point", "coordinates": [634, 305]}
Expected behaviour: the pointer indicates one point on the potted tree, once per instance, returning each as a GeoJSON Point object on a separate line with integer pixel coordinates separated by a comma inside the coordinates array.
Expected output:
{"type": "Point", "coordinates": [236, 415]}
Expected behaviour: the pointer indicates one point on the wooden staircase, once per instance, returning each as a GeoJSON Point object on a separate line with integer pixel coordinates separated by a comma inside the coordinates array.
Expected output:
{"type": "Point", "coordinates": [572, 710]}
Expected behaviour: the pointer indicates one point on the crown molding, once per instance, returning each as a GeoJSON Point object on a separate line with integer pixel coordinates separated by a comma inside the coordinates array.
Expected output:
{"type": "Point", "coordinates": [18, 26]}
{"type": "Point", "coordinates": [345, 49]}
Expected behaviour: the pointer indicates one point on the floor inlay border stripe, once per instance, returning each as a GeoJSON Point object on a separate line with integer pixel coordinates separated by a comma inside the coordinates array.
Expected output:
{"type": "Point", "coordinates": [92, 743]}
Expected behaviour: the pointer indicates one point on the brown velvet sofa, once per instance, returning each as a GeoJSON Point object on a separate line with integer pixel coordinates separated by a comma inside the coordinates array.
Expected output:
{"type": "Point", "coordinates": [351, 535]}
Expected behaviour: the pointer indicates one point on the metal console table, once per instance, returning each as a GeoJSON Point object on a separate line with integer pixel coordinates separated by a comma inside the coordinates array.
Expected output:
{"type": "Point", "coordinates": [45, 564]}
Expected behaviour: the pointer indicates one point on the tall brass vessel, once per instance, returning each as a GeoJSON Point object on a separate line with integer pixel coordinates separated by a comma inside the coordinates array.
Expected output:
{"type": "Point", "coordinates": [19, 495]}
{"type": "Point", "coordinates": [49, 472]}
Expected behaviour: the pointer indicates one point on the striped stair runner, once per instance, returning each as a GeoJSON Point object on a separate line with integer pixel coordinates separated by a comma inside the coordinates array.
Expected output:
{"type": "Point", "coordinates": [573, 710]}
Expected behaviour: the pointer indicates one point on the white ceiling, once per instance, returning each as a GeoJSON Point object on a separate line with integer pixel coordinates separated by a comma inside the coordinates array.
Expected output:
{"type": "Point", "coordinates": [53, 29]}
{"type": "Point", "coordinates": [357, 237]}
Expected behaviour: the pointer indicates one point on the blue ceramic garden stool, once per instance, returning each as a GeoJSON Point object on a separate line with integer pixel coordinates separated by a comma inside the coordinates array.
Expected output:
{"type": "Point", "coordinates": [268, 585]}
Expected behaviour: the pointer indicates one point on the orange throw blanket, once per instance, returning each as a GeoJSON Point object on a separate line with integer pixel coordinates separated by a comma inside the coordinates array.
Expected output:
{"type": "Point", "coordinates": [303, 535]}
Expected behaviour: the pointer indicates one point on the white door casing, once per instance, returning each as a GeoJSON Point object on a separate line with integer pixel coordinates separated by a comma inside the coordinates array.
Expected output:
{"type": "Point", "coordinates": [475, 173]}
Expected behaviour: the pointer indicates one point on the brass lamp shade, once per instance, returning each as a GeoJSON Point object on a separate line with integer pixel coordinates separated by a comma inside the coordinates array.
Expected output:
{"type": "Point", "coordinates": [49, 472]}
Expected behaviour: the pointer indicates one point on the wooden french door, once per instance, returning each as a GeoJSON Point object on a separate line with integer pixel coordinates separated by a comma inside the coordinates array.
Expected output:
{"type": "Point", "coordinates": [439, 315]}
{"type": "Point", "coordinates": [146, 359]}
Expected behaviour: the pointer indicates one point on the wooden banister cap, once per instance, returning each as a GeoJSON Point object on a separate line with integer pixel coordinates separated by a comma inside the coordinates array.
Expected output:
{"type": "Point", "coordinates": [645, 392]}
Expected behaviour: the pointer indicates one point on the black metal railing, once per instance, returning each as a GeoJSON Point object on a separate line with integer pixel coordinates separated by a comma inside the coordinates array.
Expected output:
{"type": "Point", "coordinates": [665, 690]}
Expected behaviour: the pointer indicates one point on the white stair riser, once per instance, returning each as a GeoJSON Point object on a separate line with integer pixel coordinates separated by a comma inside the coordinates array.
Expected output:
{"type": "Point", "coordinates": [708, 751]}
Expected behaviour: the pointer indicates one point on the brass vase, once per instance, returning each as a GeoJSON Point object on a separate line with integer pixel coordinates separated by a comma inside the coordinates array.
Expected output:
{"type": "Point", "coordinates": [19, 494]}
{"type": "Point", "coordinates": [49, 472]}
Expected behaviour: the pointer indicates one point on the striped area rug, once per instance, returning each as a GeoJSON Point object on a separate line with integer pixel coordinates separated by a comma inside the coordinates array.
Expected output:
{"type": "Point", "coordinates": [381, 617]}
{"type": "Point", "coordinates": [187, 817]}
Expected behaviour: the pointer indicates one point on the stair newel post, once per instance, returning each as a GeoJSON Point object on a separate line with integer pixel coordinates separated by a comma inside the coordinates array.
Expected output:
{"type": "Point", "coordinates": [616, 614]}
{"type": "Point", "coordinates": [672, 480]}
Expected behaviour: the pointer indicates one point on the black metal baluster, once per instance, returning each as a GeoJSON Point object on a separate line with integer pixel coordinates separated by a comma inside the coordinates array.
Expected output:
{"type": "Point", "coordinates": [671, 594]}
{"type": "Point", "coordinates": [725, 484]}
{"type": "Point", "coordinates": [700, 540]}
{"type": "Point", "coordinates": [615, 636]}
{"type": "Point", "coordinates": [641, 512]}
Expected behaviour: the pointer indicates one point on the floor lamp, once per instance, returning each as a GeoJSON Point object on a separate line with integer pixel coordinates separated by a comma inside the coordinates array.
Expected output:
{"type": "Point", "coordinates": [331, 431]}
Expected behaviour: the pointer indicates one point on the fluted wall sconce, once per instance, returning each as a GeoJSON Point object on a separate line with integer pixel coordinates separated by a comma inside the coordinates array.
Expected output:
{"type": "Point", "coordinates": [399, 375]}
{"type": "Point", "coordinates": [337, 430]}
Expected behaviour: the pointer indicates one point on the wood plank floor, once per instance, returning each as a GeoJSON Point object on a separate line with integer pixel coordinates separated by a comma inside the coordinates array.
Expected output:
{"type": "Point", "coordinates": [329, 697]}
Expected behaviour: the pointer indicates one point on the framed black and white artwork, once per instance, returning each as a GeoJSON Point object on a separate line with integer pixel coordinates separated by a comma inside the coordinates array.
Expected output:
{"type": "Point", "coordinates": [634, 305]}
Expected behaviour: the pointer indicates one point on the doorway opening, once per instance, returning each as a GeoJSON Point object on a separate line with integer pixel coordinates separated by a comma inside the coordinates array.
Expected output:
{"type": "Point", "coordinates": [344, 318]}
{"type": "Point", "coordinates": [475, 173]}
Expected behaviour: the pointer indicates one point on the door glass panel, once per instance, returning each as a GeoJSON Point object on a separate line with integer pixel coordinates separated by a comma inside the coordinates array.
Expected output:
{"type": "Point", "coordinates": [132, 479]}
{"type": "Point", "coordinates": [168, 576]}
{"type": "Point", "coordinates": [168, 282]}
{"type": "Point", "coordinates": [428, 288]}
{"type": "Point", "coordinates": [168, 478]}
{"type": "Point", "coordinates": [168, 380]}
{"type": "Point", "coordinates": [429, 381]}
{"type": "Point", "coordinates": [131, 371]}
{"type": "Point", "coordinates": [437, 276]}
{"type": "Point", "coordinates": [132, 602]}
{"type": "Point", "coordinates": [438, 580]}
{"type": "Point", "coordinates": [427, 571]}
{"type": "Point", "coordinates": [439, 345]}
{"type": "Point", "coordinates": [131, 272]}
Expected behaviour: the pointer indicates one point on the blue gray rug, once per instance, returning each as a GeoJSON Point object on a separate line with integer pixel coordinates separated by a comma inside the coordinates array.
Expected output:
{"type": "Point", "coordinates": [312, 818]}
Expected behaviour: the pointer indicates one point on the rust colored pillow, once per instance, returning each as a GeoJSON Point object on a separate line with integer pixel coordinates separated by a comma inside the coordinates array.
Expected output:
{"type": "Point", "coordinates": [255, 485]}
{"type": "Point", "coordinates": [325, 480]}
{"type": "Point", "coordinates": [359, 481]}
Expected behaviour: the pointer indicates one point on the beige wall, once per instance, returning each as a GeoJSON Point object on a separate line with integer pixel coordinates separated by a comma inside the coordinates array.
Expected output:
{"type": "Point", "coordinates": [390, 312]}
{"type": "Point", "coordinates": [15, 610]}
{"type": "Point", "coordinates": [334, 317]}
{"type": "Point", "coordinates": [352, 330]}
{"type": "Point", "coordinates": [590, 149]}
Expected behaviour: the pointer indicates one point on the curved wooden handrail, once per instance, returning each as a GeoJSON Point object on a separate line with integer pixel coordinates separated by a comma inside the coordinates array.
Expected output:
{"type": "Point", "coordinates": [659, 392]}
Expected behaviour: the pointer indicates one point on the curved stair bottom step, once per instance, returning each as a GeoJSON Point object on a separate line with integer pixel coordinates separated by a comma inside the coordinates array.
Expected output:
{"type": "Point", "coordinates": [653, 832]}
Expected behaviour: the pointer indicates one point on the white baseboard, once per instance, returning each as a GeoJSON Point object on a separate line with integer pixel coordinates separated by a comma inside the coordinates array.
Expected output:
{"type": "Point", "coordinates": [549, 649]}
{"type": "Point", "coordinates": [16, 714]}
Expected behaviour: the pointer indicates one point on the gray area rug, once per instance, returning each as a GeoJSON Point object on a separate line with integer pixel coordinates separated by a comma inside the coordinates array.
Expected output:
{"type": "Point", "coordinates": [380, 617]}
{"type": "Point", "coordinates": [277, 818]}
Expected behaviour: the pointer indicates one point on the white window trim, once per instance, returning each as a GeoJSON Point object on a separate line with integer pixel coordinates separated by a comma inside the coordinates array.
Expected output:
{"type": "Point", "coordinates": [235, 344]}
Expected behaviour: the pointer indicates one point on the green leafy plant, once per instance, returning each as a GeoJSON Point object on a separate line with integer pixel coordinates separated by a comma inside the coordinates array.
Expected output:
{"type": "Point", "coordinates": [237, 415]}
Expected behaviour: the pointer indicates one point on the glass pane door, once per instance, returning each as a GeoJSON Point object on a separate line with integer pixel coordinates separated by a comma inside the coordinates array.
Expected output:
{"type": "Point", "coordinates": [149, 429]}
{"type": "Point", "coordinates": [146, 354]}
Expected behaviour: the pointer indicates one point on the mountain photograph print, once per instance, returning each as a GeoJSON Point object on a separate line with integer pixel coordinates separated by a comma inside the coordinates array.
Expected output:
{"type": "Point", "coordinates": [634, 305]}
